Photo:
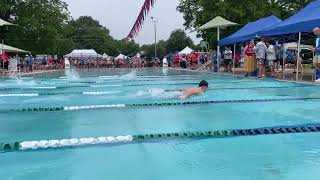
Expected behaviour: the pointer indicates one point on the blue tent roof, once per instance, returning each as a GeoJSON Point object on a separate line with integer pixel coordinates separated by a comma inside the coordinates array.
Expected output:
{"type": "Point", "coordinates": [250, 30]}
{"type": "Point", "coordinates": [303, 21]}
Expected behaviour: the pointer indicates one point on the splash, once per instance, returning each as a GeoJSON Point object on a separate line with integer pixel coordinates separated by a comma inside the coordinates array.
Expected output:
{"type": "Point", "coordinates": [130, 76]}
{"type": "Point", "coordinates": [159, 93]}
{"type": "Point", "coordinates": [72, 74]}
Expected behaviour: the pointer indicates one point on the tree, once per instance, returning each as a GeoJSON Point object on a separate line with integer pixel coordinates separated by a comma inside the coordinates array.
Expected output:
{"type": "Point", "coordinates": [178, 40]}
{"type": "Point", "coordinates": [41, 25]}
{"type": "Point", "coordinates": [149, 49]}
{"type": "Point", "coordinates": [198, 12]}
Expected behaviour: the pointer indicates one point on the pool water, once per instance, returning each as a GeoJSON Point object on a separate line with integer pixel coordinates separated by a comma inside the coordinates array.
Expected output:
{"type": "Point", "coordinates": [292, 156]}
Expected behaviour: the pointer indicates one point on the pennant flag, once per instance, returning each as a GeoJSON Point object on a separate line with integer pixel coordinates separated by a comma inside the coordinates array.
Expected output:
{"type": "Point", "coordinates": [140, 19]}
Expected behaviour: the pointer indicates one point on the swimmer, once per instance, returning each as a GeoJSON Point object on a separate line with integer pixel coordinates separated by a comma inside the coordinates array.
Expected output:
{"type": "Point", "coordinates": [194, 91]}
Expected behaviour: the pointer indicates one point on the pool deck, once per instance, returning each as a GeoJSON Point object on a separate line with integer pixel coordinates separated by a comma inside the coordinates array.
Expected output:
{"type": "Point", "coordinates": [288, 75]}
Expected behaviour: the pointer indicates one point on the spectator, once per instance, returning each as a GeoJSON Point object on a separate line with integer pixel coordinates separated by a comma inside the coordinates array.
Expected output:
{"type": "Point", "coordinates": [261, 50]}
{"type": "Point", "coordinates": [250, 64]}
{"type": "Point", "coordinates": [227, 59]}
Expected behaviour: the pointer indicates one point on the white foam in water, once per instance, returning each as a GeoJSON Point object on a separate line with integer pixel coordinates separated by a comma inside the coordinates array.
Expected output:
{"type": "Point", "coordinates": [72, 74]}
{"type": "Point", "coordinates": [130, 76]}
{"type": "Point", "coordinates": [109, 77]}
{"type": "Point", "coordinates": [100, 93]}
{"type": "Point", "coordinates": [98, 86]}
{"type": "Point", "coordinates": [159, 93]}
{"type": "Point", "coordinates": [19, 95]}
{"type": "Point", "coordinates": [20, 82]}
{"type": "Point", "coordinates": [42, 87]}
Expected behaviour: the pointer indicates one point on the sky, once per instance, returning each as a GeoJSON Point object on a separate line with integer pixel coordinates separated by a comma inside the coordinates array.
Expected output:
{"type": "Point", "coordinates": [120, 15]}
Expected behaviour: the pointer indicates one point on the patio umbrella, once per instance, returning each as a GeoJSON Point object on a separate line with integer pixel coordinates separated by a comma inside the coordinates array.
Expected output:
{"type": "Point", "coordinates": [218, 22]}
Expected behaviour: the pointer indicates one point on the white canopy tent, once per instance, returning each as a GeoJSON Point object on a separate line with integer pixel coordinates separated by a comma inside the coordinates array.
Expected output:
{"type": "Point", "coordinates": [121, 56]}
{"type": "Point", "coordinates": [5, 23]}
{"type": "Point", "coordinates": [105, 56]}
{"type": "Point", "coordinates": [186, 51]}
{"type": "Point", "coordinates": [11, 49]}
{"type": "Point", "coordinates": [83, 53]}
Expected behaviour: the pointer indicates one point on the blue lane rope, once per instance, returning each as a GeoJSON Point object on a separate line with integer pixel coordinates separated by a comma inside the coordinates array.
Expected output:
{"type": "Point", "coordinates": [164, 104]}
{"type": "Point", "coordinates": [144, 138]}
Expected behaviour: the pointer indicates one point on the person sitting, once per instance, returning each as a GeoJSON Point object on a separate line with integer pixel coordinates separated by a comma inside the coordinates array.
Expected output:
{"type": "Point", "coordinates": [195, 91]}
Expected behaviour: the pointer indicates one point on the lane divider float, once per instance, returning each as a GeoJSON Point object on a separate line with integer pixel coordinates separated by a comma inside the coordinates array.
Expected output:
{"type": "Point", "coordinates": [145, 138]}
{"type": "Point", "coordinates": [164, 104]}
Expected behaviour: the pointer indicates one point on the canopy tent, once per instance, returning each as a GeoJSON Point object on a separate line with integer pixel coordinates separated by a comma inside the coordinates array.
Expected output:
{"type": "Point", "coordinates": [303, 21]}
{"type": "Point", "coordinates": [83, 53]}
{"type": "Point", "coordinates": [11, 49]}
{"type": "Point", "coordinates": [250, 30]}
{"type": "Point", "coordinates": [105, 56]}
{"type": "Point", "coordinates": [294, 46]}
{"type": "Point", "coordinates": [5, 23]}
{"type": "Point", "coordinates": [186, 51]}
{"type": "Point", "coordinates": [218, 22]}
{"type": "Point", "coordinates": [121, 57]}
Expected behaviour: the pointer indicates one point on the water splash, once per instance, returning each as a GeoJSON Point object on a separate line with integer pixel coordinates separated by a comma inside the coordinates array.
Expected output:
{"type": "Point", "coordinates": [159, 93]}
{"type": "Point", "coordinates": [130, 76]}
{"type": "Point", "coordinates": [72, 74]}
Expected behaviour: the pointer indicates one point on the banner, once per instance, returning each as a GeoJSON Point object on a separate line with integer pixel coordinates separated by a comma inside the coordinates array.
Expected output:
{"type": "Point", "coordinates": [140, 19]}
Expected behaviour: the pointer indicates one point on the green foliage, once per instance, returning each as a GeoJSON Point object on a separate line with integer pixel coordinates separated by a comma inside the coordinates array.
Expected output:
{"type": "Point", "coordinates": [45, 27]}
{"type": "Point", "coordinates": [198, 12]}
{"type": "Point", "coordinates": [177, 41]}
{"type": "Point", "coordinates": [41, 24]}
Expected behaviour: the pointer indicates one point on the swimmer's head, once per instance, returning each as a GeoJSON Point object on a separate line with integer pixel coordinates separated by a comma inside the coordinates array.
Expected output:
{"type": "Point", "coordinates": [204, 85]}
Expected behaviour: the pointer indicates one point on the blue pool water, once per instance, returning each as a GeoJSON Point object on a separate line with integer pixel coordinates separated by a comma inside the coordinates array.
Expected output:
{"type": "Point", "coordinates": [292, 156]}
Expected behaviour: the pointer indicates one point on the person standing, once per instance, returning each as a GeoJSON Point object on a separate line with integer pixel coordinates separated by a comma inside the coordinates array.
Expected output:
{"type": "Point", "coordinates": [250, 64]}
{"type": "Point", "coordinates": [261, 50]}
{"type": "Point", "coordinates": [316, 61]}
{"type": "Point", "coordinates": [271, 56]}
{"type": "Point", "coordinates": [227, 59]}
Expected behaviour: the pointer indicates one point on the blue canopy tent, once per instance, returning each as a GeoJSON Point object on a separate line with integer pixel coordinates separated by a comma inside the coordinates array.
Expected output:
{"type": "Point", "coordinates": [250, 30]}
{"type": "Point", "coordinates": [302, 22]}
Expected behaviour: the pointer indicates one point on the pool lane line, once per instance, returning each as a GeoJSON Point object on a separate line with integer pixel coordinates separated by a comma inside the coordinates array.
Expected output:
{"type": "Point", "coordinates": [111, 85]}
{"type": "Point", "coordinates": [31, 94]}
{"type": "Point", "coordinates": [164, 104]}
{"type": "Point", "coordinates": [155, 137]}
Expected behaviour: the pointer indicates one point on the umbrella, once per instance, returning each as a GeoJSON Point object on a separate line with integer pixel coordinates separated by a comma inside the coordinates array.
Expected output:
{"type": "Point", "coordinates": [218, 22]}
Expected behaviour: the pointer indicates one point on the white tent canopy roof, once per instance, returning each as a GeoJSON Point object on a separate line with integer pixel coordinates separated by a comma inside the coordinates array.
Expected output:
{"type": "Point", "coordinates": [105, 56]}
{"type": "Point", "coordinates": [186, 50]}
{"type": "Point", "coordinates": [7, 48]}
{"type": "Point", "coordinates": [85, 53]}
{"type": "Point", "coordinates": [121, 56]}
{"type": "Point", "coordinates": [5, 23]}
{"type": "Point", "coordinates": [294, 46]}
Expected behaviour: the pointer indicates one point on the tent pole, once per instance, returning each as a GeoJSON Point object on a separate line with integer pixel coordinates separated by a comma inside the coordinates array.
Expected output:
{"type": "Point", "coordinates": [234, 58]}
{"type": "Point", "coordinates": [283, 57]}
{"type": "Point", "coordinates": [2, 54]}
{"type": "Point", "coordinates": [298, 56]}
{"type": "Point", "coordinates": [218, 47]}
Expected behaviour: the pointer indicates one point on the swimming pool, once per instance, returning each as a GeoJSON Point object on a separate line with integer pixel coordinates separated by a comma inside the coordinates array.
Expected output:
{"type": "Point", "coordinates": [286, 156]}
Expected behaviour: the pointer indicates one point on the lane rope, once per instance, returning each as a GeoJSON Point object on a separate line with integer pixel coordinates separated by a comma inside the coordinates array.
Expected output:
{"type": "Point", "coordinates": [111, 85]}
{"type": "Point", "coordinates": [112, 92]}
{"type": "Point", "coordinates": [144, 138]}
{"type": "Point", "coordinates": [164, 104]}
